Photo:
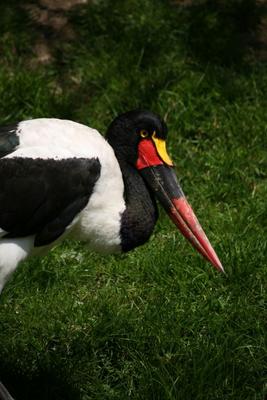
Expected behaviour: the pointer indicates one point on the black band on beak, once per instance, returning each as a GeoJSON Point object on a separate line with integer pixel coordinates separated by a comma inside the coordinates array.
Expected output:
{"type": "Point", "coordinates": [163, 182]}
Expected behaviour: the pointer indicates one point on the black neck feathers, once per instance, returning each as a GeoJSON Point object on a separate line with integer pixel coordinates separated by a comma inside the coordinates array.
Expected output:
{"type": "Point", "coordinates": [141, 214]}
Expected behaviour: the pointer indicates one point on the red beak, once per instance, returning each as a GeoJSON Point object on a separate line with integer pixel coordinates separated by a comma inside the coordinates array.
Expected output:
{"type": "Point", "coordinates": [184, 218]}
{"type": "Point", "coordinates": [163, 182]}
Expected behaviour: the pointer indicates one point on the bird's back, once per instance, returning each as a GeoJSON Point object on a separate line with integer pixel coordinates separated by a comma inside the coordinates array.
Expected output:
{"type": "Point", "coordinates": [52, 138]}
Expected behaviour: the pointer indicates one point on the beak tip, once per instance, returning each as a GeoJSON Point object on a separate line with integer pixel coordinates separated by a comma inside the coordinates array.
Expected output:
{"type": "Point", "coordinates": [219, 267]}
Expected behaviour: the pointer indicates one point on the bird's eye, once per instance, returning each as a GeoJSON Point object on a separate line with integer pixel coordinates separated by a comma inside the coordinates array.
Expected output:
{"type": "Point", "coordinates": [143, 133]}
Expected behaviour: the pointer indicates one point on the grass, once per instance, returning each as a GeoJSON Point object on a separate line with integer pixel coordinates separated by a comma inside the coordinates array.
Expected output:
{"type": "Point", "coordinates": [157, 323]}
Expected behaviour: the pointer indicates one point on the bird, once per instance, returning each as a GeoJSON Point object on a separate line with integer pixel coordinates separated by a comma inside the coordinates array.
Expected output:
{"type": "Point", "coordinates": [60, 178]}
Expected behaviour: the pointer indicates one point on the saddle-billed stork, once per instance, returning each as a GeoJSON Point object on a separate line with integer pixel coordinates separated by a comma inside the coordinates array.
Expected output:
{"type": "Point", "coordinates": [59, 178]}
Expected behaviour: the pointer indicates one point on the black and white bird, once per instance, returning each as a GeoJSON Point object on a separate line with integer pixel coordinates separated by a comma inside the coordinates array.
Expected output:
{"type": "Point", "coordinates": [59, 178]}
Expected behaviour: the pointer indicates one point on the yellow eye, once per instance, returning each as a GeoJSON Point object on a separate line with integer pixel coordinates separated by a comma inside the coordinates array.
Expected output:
{"type": "Point", "coordinates": [143, 133]}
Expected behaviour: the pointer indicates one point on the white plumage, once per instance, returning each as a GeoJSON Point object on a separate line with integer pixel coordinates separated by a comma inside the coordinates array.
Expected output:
{"type": "Point", "coordinates": [98, 224]}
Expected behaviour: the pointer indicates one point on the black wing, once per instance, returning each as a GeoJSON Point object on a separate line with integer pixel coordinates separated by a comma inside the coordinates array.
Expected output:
{"type": "Point", "coordinates": [42, 197]}
{"type": "Point", "coordinates": [9, 139]}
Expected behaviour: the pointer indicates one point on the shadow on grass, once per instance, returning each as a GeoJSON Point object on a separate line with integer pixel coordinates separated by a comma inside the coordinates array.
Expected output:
{"type": "Point", "coordinates": [224, 32]}
{"type": "Point", "coordinates": [46, 385]}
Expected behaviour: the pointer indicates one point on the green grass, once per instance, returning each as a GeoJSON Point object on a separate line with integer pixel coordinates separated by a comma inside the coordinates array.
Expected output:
{"type": "Point", "coordinates": [159, 322]}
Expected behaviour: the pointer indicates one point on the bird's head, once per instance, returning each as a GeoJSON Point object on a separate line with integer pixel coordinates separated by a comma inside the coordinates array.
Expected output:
{"type": "Point", "coordinates": [139, 138]}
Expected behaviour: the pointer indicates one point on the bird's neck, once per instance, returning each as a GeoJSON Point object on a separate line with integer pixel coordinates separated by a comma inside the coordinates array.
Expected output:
{"type": "Point", "coordinates": [140, 215]}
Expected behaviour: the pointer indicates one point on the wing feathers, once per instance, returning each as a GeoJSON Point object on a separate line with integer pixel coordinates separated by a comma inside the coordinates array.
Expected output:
{"type": "Point", "coordinates": [54, 229]}
{"type": "Point", "coordinates": [42, 197]}
{"type": "Point", "coordinates": [9, 139]}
